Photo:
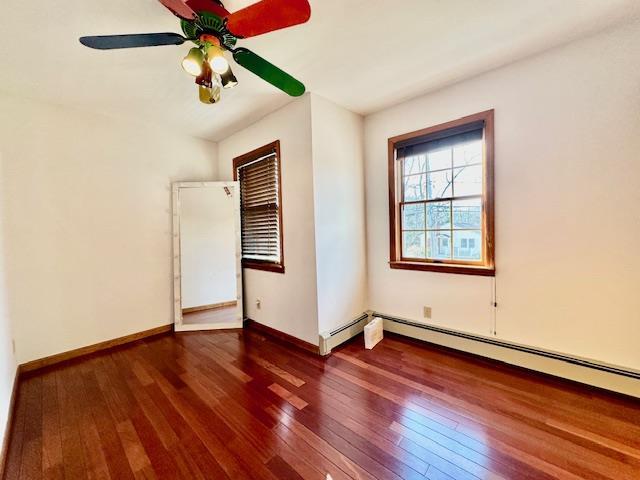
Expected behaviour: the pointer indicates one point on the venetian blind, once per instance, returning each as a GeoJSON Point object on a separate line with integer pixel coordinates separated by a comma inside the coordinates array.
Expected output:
{"type": "Point", "coordinates": [260, 205]}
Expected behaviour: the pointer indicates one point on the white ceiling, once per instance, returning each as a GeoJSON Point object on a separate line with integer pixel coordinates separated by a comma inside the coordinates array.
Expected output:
{"type": "Point", "coordinates": [362, 54]}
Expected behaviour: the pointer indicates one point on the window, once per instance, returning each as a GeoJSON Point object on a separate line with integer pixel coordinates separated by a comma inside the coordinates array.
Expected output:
{"type": "Point", "coordinates": [261, 208]}
{"type": "Point", "coordinates": [441, 197]}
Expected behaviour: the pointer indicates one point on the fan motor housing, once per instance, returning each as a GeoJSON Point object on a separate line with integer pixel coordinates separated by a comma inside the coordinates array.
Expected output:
{"type": "Point", "coordinates": [208, 24]}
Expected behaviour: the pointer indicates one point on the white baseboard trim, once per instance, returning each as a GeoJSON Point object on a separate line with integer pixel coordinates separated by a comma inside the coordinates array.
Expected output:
{"type": "Point", "coordinates": [338, 336]}
{"type": "Point", "coordinates": [590, 372]}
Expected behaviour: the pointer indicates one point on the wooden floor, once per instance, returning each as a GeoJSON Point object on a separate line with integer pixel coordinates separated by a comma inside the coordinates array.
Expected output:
{"type": "Point", "coordinates": [220, 405]}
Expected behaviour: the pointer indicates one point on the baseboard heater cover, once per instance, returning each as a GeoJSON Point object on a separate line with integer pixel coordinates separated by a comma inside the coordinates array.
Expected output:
{"type": "Point", "coordinates": [583, 370]}
{"type": "Point", "coordinates": [332, 339]}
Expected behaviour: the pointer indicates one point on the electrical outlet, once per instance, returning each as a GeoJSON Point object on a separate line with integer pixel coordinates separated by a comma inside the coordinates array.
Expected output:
{"type": "Point", "coordinates": [426, 311]}
{"type": "Point", "coordinates": [258, 303]}
{"type": "Point", "coordinates": [13, 346]}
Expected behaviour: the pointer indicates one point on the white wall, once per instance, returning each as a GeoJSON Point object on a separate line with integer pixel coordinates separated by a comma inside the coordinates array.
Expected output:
{"type": "Point", "coordinates": [7, 358]}
{"type": "Point", "coordinates": [207, 247]}
{"type": "Point", "coordinates": [88, 221]}
{"type": "Point", "coordinates": [567, 196]}
{"type": "Point", "coordinates": [338, 179]}
{"type": "Point", "coordinates": [288, 301]}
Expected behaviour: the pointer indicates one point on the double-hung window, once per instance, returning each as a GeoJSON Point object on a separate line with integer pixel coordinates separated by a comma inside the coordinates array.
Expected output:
{"type": "Point", "coordinates": [258, 173]}
{"type": "Point", "coordinates": [441, 197]}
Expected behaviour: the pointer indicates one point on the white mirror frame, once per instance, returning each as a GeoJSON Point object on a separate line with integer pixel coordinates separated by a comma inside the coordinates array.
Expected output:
{"type": "Point", "coordinates": [179, 326]}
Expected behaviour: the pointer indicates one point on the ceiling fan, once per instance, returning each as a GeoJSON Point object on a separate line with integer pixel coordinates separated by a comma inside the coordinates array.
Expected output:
{"type": "Point", "coordinates": [213, 30]}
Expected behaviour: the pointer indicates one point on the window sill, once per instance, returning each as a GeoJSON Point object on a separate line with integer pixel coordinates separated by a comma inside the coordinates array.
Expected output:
{"type": "Point", "coordinates": [265, 266]}
{"type": "Point", "coordinates": [445, 268]}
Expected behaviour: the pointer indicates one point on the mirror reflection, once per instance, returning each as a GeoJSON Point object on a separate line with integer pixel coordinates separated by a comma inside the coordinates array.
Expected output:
{"type": "Point", "coordinates": [208, 245]}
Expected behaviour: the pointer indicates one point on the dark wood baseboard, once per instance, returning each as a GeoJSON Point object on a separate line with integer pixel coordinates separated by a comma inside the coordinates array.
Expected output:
{"type": "Point", "coordinates": [9, 426]}
{"type": "Point", "coordinates": [284, 337]}
{"type": "Point", "coordinates": [79, 352]}
{"type": "Point", "coordinates": [213, 306]}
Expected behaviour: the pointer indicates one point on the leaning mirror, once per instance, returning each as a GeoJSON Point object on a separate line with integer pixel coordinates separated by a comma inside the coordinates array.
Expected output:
{"type": "Point", "coordinates": [206, 245]}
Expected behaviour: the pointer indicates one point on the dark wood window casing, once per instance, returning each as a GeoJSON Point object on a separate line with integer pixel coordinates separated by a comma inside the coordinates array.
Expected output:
{"type": "Point", "coordinates": [259, 174]}
{"type": "Point", "coordinates": [402, 154]}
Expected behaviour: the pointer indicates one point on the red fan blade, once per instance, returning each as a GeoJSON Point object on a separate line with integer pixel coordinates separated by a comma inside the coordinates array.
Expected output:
{"type": "Point", "coordinates": [267, 16]}
{"type": "Point", "coordinates": [180, 9]}
{"type": "Point", "coordinates": [210, 6]}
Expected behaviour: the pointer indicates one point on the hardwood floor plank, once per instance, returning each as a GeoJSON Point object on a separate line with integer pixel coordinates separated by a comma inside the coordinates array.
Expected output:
{"type": "Point", "coordinates": [105, 424]}
{"type": "Point", "coordinates": [351, 468]}
{"type": "Point", "coordinates": [153, 430]}
{"type": "Point", "coordinates": [32, 449]}
{"type": "Point", "coordinates": [52, 461]}
{"type": "Point", "coordinates": [282, 470]}
{"type": "Point", "coordinates": [292, 379]}
{"type": "Point", "coordinates": [205, 425]}
{"type": "Point", "coordinates": [16, 436]}
{"type": "Point", "coordinates": [288, 396]}
{"type": "Point", "coordinates": [235, 405]}
{"type": "Point", "coordinates": [133, 449]}
{"type": "Point", "coordinates": [502, 414]}
{"type": "Point", "coordinates": [475, 466]}
{"type": "Point", "coordinates": [73, 449]}
{"type": "Point", "coordinates": [301, 448]}
{"type": "Point", "coordinates": [434, 474]}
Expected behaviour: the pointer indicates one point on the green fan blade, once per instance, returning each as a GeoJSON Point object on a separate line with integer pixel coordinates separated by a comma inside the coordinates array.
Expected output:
{"type": "Point", "coordinates": [269, 72]}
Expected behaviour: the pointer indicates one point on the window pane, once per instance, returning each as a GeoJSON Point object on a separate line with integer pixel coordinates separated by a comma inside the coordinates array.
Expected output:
{"type": "Point", "coordinates": [413, 216]}
{"type": "Point", "coordinates": [467, 245]}
{"type": "Point", "coordinates": [414, 164]}
{"type": "Point", "coordinates": [467, 153]}
{"type": "Point", "coordinates": [414, 188]}
{"type": "Point", "coordinates": [467, 213]}
{"type": "Point", "coordinates": [439, 215]}
{"type": "Point", "coordinates": [439, 159]}
{"type": "Point", "coordinates": [467, 181]}
{"type": "Point", "coordinates": [438, 245]}
{"type": "Point", "coordinates": [439, 184]}
{"type": "Point", "coordinates": [413, 244]}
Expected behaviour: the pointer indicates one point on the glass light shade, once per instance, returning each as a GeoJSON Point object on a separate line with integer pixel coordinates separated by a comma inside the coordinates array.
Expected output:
{"type": "Point", "coordinates": [215, 57]}
{"type": "Point", "coordinates": [228, 79]}
{"type": "Point", "coordinates": [205, 77]}
{"type": "Point", "coordinates": [205, 94]}
{"type": "Point", "coordinates": [192, 62]}
{"type": "Point", "coordinates": [219, 65]}
{"type": "Point", "coordinates": [210, 94]}
{"type": "Point", "coordinates": [216, 88]}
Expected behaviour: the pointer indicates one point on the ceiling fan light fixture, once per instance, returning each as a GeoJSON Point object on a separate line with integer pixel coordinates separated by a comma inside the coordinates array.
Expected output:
{"type": "Point", "coordinates": [215, 31]}
{"type": "Point", "coordinates": [219, 65]}
{"type": "Point", "coordinates": [228, 79]}
{"type": "Point", "coordinates": [204, 93]}
{"type": "Point", "coordinates": [209, 95]}
{"type": "Point", "coordinates": [205, 77]}
{"type": "Point", "coordinates": [215, 57]}
{"type": "Point", "coordinates": [192, 62]}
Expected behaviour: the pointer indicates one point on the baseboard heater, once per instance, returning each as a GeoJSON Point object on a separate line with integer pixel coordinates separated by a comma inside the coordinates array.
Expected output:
{"type": "Point", "coordinates": [591, 372]}
{"type": "Point", "coordinates": [343, 333]}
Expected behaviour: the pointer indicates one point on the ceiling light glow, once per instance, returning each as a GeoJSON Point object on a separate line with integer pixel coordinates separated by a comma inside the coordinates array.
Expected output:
{"type": "Point", "coordinates": [192, 62]}
{"type": "Point", "coordinates": [215, 57]}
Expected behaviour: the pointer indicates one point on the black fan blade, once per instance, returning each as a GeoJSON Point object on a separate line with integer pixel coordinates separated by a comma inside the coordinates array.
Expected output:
{"type": "Point", "coordinates": [269, 72]}
{"type": "Point", "coordinates": [109, 42]}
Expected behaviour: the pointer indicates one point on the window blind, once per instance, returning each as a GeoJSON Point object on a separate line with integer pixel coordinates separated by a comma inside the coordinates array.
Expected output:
{"type": "Point", "coordinates": [430, 144]}
{"type": "Point", "coordinates": [260, 205]}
